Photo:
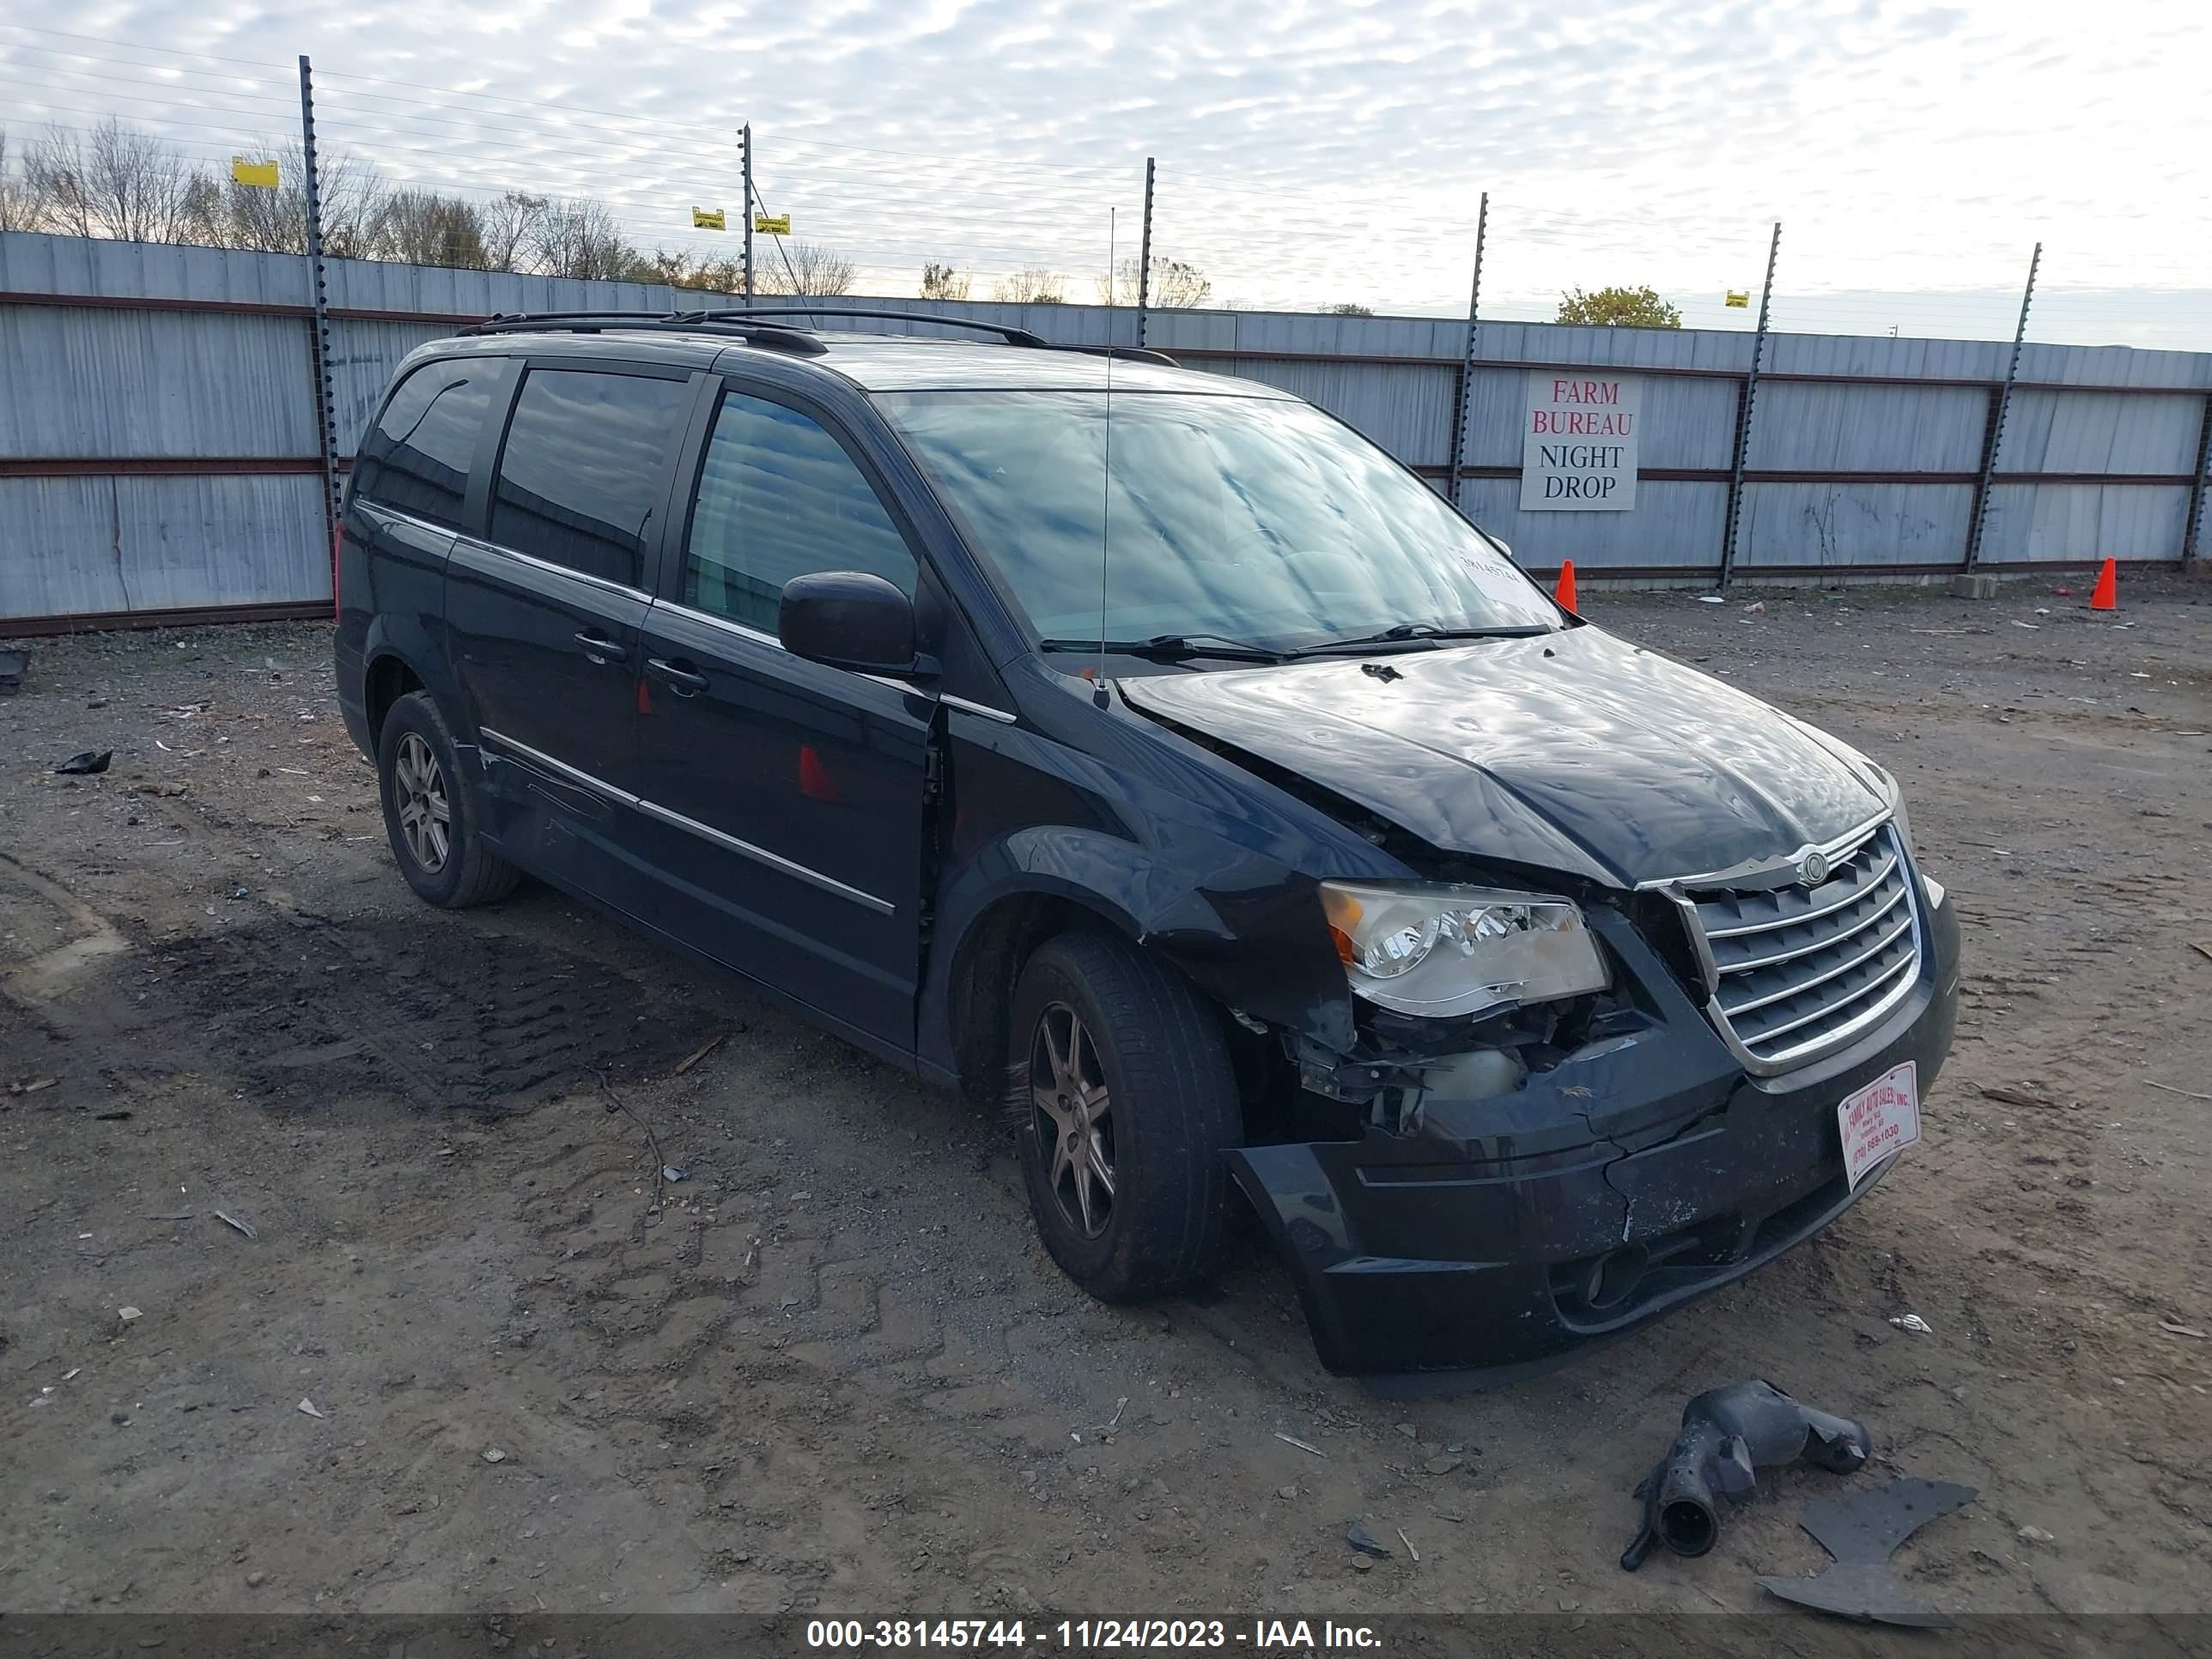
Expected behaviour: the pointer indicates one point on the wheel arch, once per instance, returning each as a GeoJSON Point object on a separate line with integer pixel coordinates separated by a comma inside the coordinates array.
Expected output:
{"type": "Point", "coordinates": [401, 652]}
{"type": "Point", "coordinates": [987, 958]}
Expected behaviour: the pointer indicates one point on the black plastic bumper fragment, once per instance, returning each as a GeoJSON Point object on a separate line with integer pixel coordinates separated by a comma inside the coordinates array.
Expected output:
{"type": "Point", "coordinates": [1727, 1434]}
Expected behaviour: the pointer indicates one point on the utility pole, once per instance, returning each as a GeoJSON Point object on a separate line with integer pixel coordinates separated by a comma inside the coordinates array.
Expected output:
{"type": "Point", "coordinates": [1998, 416]}
{"type": "Point", "coordinates": [1144, 258]}
{"type": "Point", "coordinates": [745, 150]}
{"type": "Point", "coordinates": [1743, 419]}
{"type": "Point", "coordinates": [1465, 412]}
{"type": "Point", "coordinates": [319, 325]}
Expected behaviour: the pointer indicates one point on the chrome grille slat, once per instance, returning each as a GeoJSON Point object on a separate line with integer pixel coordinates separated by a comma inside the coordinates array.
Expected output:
{"type": "Point", "coordinates": [1798, 973]}
{"type": "Point", "coordinates": [1880, 974]}
{"type": "Point", "coordinates": [1857, 925]}
{"type": "Point", "coordinates": [1816, 908]}
{"type": "Point", "coordinates": [1814, 983]}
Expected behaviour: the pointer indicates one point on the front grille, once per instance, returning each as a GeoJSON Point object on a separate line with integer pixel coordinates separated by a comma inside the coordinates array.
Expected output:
{"type": "Point", "coordinates": [1803, 970]}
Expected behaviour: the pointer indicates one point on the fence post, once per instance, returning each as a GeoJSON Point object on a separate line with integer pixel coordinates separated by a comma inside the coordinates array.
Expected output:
{"type": "Point", "coordinates": [1464, 412]}
{"type": "Point", "coordinates": [1144, 258]}
{"type": "Point", "coordinates": [745, 150]}
{"type": "Point", "coordinates": [1744, 415]}
{"type": "Point", "coordinates": [319, 327]}
{"type": "Point", "coordinates": [1998, 416]}
{"type": "Point", "coordinates": [2192, 529]}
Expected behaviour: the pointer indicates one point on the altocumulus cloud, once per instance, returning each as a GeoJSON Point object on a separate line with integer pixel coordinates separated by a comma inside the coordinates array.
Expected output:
{"type": "Point", "coordinates": [1310, 151]}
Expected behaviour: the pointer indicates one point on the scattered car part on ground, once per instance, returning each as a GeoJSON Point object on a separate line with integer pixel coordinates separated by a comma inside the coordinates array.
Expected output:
{"type": "Point", "coordinates": [1727, 1434]}
{"type": "Point", "coordinates": [14, 665]}
{"type": "Point", "coordinates": [86, 762]}
{"type": "Point", "coordinates": [1862, 1531]}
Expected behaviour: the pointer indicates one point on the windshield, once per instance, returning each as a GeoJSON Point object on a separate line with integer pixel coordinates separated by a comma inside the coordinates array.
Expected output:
{"type": "Point", "coordinates": [1242, 519]}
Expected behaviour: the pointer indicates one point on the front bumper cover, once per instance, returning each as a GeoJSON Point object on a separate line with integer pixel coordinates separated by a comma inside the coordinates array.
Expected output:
{"type": "Point", "coordinates": [1500, 1236]}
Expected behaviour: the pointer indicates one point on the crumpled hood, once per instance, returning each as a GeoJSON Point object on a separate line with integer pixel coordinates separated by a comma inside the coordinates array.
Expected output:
{"type": "Point", "coordinates": [1573, 751]}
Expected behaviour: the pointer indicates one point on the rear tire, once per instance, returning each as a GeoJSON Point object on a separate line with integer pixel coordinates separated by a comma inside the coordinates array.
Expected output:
{"type": "Point", "coordinates": [433, 812]}
{"type": "Point", "coordinates": [1126, 1100]}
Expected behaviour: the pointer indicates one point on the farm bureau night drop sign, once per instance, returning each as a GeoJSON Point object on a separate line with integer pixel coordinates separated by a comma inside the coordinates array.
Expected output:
{"type": "Point", "coordinates": [1578, 445]}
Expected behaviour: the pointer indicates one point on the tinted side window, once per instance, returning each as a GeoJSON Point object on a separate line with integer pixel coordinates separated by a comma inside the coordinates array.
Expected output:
{"type": "Point", "coordinates": [416, 457]}
{"type": "Point", "coordinates": [778, 498]}
{"type": "Point", "coordinates": [580, 474]}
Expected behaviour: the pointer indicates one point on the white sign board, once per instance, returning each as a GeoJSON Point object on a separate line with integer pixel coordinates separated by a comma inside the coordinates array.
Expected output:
{"type": "Point", "coordinates": [1578, 447]}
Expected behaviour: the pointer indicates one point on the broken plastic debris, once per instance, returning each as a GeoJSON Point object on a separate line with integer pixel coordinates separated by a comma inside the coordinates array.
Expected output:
{"type": "Point", "coordinates": [1912, 1322]}
{"type": "Point", "coordinates": [1365, 1541]}
{"type": "Point", "coordinates": [670, 1172]}
{"type": "Point", "coordinates": [126, 1315]}
{"type": "Point", "coordinates": [1727, 1434]}
{"type": "Point", "coordinates": [1862, 1532]}
{"type": "Point", "coordinates": [308, 1406]}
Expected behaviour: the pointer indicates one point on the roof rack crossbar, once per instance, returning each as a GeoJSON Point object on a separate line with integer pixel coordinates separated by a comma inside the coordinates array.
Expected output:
{"type": "Point", "coordinates": [1007, 332]}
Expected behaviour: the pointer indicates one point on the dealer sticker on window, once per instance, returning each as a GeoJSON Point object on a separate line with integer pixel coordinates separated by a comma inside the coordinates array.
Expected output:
{"type": "Point", "coordinates": [1880, 1120]}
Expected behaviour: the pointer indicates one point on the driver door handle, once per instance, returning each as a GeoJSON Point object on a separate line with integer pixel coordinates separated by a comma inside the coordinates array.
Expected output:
{"type": "Point", "coordinates": [601, 649]}
{"type": "Point", "coordinates": [684, 682]}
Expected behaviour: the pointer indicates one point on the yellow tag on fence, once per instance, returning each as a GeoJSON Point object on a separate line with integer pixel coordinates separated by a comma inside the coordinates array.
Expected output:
{"type": "Point", "coordinates": [772, 224]}
{"type": "Point", "coordinates": [708, 219]}
{"type": "Point", "coordinates": [262, 175]}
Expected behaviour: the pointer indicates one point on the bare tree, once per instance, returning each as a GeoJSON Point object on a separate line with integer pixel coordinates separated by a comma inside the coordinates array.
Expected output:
{"type": "Point", "coordinates": [582, 238]}
{"type": "Point", "coordinates": [1347, 308]}
{"type": "Point", "coordinates": [1175, 286]}
{"type": "Point", "coordinates": [224, 213]}
{"type": "Point", "coordinates": [802, 268]}
{"type": "Point", "coordinates": [18, 208]}
{"type": "Point", "coordinates": [509, 228]}
{"type": "Point", "coordinates": [112, 182]}
{"type": "Point", "coordinates": [1033, 286]}
{"type": "Point", "coordinates": [943, 282]}
{"type": "Point", "coordinates": [422, 227]}
{"type": "Point", "coordinates": [679, 269]}
{"type": "Point", "coordinates": [227, 214]}
{"type": "Point", "coordinates": [353, 196]}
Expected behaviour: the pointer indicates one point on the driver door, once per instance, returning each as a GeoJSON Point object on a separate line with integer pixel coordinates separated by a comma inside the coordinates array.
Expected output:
{"type": "Point", "coordinates": [783, 799]}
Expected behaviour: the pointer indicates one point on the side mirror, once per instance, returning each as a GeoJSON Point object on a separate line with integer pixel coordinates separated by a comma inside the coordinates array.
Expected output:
{"type": "Point", "coordinates": [849, 619]}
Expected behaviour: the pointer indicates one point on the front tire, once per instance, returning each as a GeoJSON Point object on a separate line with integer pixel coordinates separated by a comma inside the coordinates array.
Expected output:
{"type": "Point", "coordinates": [1126, 1099]}
{"type": "Point", "coordinates": [431, 814]}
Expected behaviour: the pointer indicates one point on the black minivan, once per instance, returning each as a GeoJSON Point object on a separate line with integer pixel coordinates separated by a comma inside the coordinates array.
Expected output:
{"type": "Point", "coordinates": [1148, 751]}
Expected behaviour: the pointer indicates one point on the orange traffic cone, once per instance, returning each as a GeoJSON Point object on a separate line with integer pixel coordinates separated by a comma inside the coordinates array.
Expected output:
{"type": "Point", "coordinates": [2105, 596]}
{"type": "Point", "coordinates": [1565, 593]}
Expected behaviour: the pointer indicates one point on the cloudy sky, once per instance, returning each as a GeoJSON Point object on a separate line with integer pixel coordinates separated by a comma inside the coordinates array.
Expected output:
{"type": "Point", "coordinates": [1309, 153]}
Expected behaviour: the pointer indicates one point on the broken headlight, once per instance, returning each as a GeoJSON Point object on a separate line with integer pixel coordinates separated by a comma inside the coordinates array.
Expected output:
{"type": "Point", "coordinates": [1442, 950]}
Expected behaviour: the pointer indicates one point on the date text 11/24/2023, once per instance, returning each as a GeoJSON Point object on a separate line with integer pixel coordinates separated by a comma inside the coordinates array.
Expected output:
{"type": "Point", "coordinates": [1093, 1635]}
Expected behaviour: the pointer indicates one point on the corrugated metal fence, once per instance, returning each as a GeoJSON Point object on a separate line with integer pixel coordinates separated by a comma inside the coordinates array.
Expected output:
{"type": "Point", "coordinates": [159, 456]}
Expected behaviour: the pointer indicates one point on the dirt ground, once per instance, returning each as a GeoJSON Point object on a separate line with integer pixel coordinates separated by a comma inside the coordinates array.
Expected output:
{"type": "Point", "coordinates": [475, 1354]}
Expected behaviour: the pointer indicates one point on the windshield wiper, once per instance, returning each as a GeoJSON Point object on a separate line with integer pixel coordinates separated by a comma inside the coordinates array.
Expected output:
{"type": "Point", "coordinates": [1171, 647]}
{"type": "Point", "coordinates": [1421, 636]}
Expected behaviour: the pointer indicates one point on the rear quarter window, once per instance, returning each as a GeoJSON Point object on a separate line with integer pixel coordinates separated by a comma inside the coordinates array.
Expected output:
{"type": "Point", "coordinates": [582, 471]}
{"type": "Point", "coordinates": [416, 457]}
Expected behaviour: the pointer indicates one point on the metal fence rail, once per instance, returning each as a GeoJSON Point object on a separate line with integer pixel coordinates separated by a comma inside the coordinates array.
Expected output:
{"type": "Point", "coordinates": [160, 452]}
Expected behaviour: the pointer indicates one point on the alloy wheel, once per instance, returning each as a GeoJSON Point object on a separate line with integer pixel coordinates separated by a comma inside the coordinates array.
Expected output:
{"type": "Point", "coordinates": [426, 816]}
{"type": "Point", "coordinates": [1071, 1113]}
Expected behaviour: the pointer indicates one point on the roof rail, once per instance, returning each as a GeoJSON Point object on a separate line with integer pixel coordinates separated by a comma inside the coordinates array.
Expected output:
{"type": "Point", "coordinates": [778, 337]}
{"type": "Point", "coordinates": [1011, 335]}
{"type": "Point", "coordinates": [1129, 354]}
